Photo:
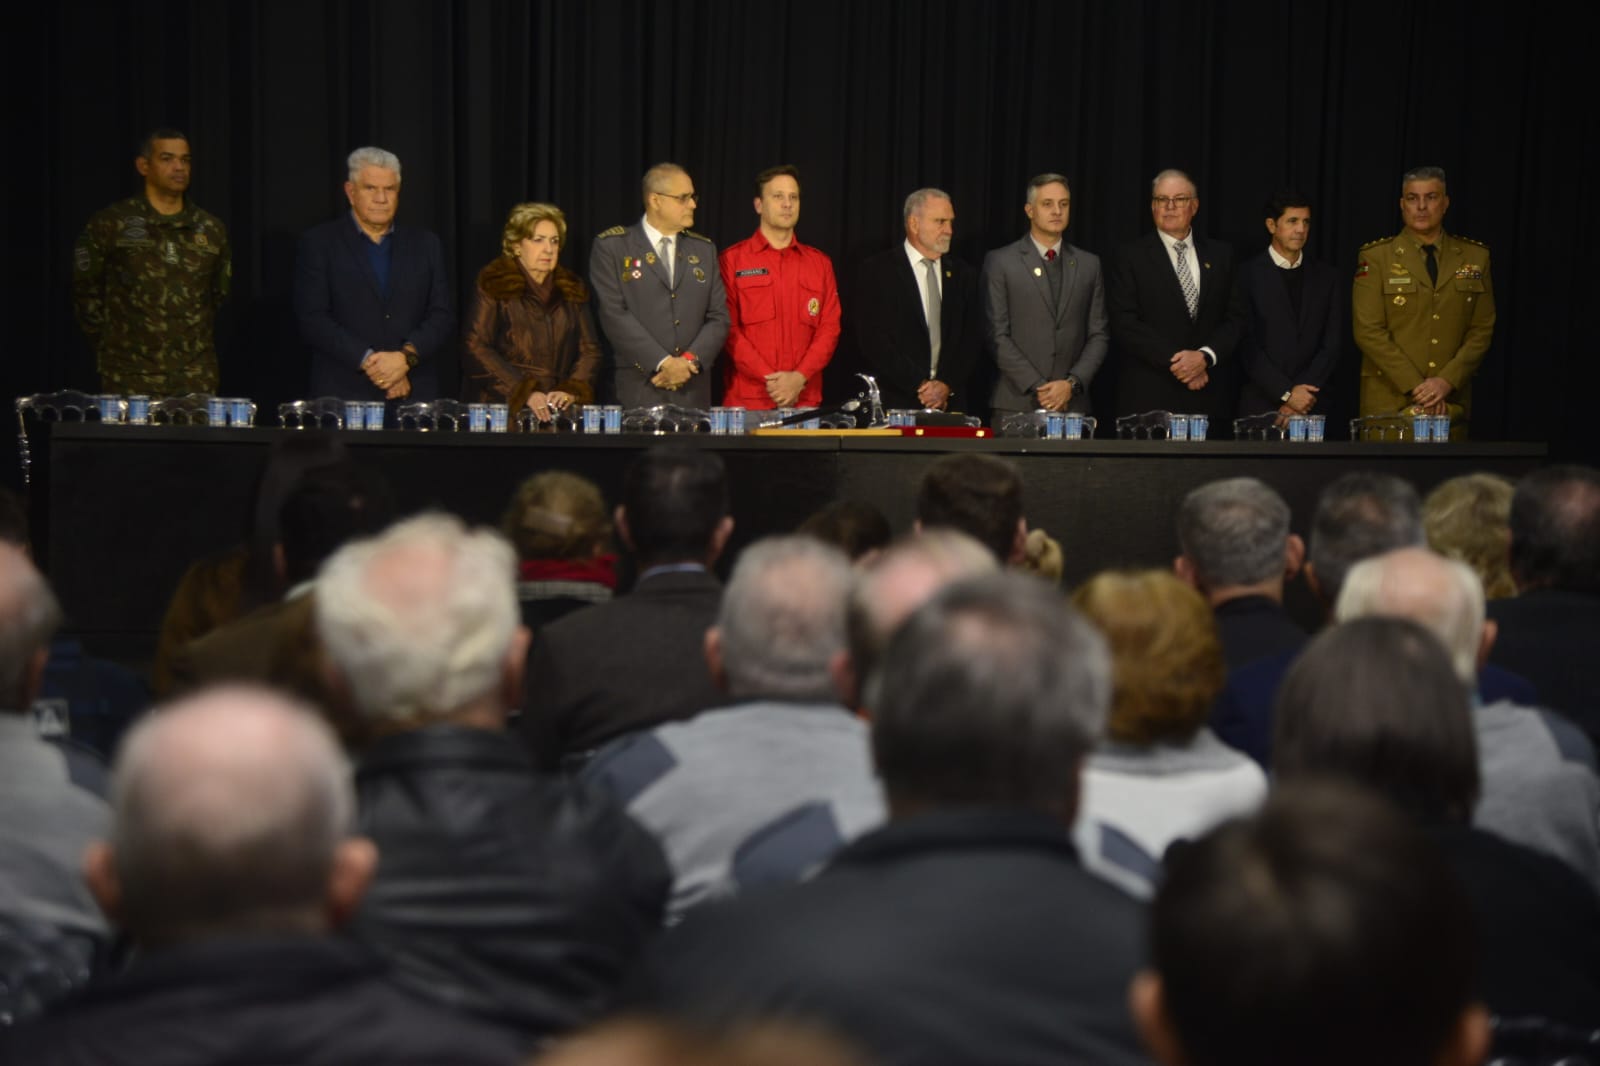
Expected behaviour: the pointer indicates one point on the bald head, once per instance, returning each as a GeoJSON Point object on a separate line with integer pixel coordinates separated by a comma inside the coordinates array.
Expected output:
{"type": "Point", "coordinates": [230, 809]}
{"type": "Point", "coordinates": [29, 616]}
{"type": "Point", "coordinates": [1444, 596]}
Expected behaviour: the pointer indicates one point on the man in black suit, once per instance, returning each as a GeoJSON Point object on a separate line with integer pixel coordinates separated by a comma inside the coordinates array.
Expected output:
{"type": "Point", "coordinates": [638, 660]}
{"type": "Point", "coordinates": [1297, 316]}
{"type": "Point", "coordinates": [1175, 313]}
{"type": "Point", "coordinates": [371, 297]}
{"type": "Point", "coordinates": [915, 312]}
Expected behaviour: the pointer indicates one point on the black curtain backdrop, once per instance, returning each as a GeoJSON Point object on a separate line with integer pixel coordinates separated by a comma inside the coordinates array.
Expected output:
{"type": "Point", "coordinates": [490, 102]}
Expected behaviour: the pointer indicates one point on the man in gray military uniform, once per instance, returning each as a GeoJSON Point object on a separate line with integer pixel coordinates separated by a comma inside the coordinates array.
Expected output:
{"type": "Point", "coordinates": [1046, 308]}
{"type": "Point", "coordinates": [659, 297]}
{"type": "Point", "coordinates": [148, 275]}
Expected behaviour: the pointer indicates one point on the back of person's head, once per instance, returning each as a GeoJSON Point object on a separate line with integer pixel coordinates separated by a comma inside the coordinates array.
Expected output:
{"type": "Point", "coordinates": [978, 495]}
{"type": "Point", "coordinates": [1360, 515]}
{"type": "Point", "coordinates": [1442, 595]}
{"type": "Point", "coordinates": [1234, 532]}
{"type": "Point", "coordinates": [641, 1041]}
{"type": "Point", "coordinates": [675, 505]}
{"type": "Point", "coordinates": [1555, 530]}
{"type": "Point", "coordinates": [854, 527]}
{"type": "Point", "coordinates": [1323, 931]}
{"type": "Point", "coordinates": [1166, 657]}
{"type": "Point", "coordinates": [29, 617]}
{"type": "Point", "coordinates": [557, 515]}
{"type": "Point", "coordinates": [899, 581]}
{"type": "Point", "coordinates": [991, 693]}
{"type": "Point", "coordinates": [421, 621]}
{"type": "Point", "coordinates": [289, 458]}
{"type": "Point", "coordinates": [230, 815]}
{"type": "Point", "coordinates": [328, 506]}
{"type": "Point", "coordinates": [1469, 518]}
{"type": "Point", "coordinates": [1377, 700]}
{"type": "Point", "coordinates": [780, 632]}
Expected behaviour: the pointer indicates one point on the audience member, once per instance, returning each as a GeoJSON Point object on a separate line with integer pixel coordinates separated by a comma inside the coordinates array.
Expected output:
{"type": "Point", "coordinates": [1377, 700]}
{"type": "Point", "coordinates": [1358, 515]}
{"type": "Point", "coordinates": [562, 533]}
{"type": "Point", "coordinates": [276, 644]}
{"type": "Point", "coordinates": [1549, 631]}
{"type": "Point", "coordinates": [52, 794]}
{"type": "Point", "coordinates": [854, 527]}
{"type": "Point", "coordinates": [637, 661]}
{"type": "Point", "coordinates": [1537, 769]}
{"type": "Point", "coordinates": [1324, 931]}
{"type": "Point", "coordinates": [229, 583]}
{"type": "Point", "coordinates": [651, 1042]}
{"type": "Point", "coordinates": [1159, 775]}
{"type": "Point", "coordinates": [966, 931]}
{"type": "Point", "coordinates": [764, 791]}
{"type": "Point", "coordinates": [230, 865]}
{"type": "Point", "coordinates": [1238, 551]}
{"type": "Point", "coordinates": [979, 495]}
{"type": "Point", "coordinates": [494, 880]}
{"type": "Point", "coordinates": [899, 581]}
{"type": "Point", "coordinates": [1469, 518]}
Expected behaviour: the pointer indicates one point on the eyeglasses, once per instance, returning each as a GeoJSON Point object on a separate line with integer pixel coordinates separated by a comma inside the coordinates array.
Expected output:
{"type": "Point", "coordinates": [1173, 201]}
{"type": "Point", "coordinates": [682, 198]}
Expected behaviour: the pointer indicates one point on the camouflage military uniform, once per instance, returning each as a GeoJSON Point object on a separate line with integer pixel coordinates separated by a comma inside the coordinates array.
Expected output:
{"type": "Point", "coordinates": [146, 287]}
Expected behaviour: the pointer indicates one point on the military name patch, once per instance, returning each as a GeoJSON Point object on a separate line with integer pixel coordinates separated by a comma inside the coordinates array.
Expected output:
{"type": "Point", "coordinates": [753, 272]}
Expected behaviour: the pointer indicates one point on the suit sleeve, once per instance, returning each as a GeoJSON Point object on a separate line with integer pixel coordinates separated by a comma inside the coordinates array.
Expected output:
{"type": "Point", "coordinates": [707, 344]}
{"type": "Point", "coordinates": [875, 302]}
{"type": "Point", "coordinates": [1011, 360]}
{"type": "Point", "coordinates": [1371, 325]}
{"type": "Point", "coordinates": [1224, 338]}
{"type": "Point", "coordinates": [1480, 331]}
{"type": "Point", "coordinates": [313, 305]}
{"type": "Point", "coordinates": [1258, 369]}
{"type": "Point", "coordinates": [1124, 305]}
{"type": "Point", "coordinates": [430, 335]}
{"type": "Point", "coordinates": [1331, 342]}
{"type": "Point", "coordinates": [632, 344]}
{"type": "Point", "coordinates": [88, 279]}
{"type": "Point", "coordinates": [1097, 331]}
{"type": "Point", "coordinates": [825, 338]}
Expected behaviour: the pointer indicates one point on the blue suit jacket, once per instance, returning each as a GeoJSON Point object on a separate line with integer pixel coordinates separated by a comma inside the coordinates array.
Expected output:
{"type": "Point", "coordinates": [343, 315]}
{"type": "Point", "coordinates": [1280, 348]}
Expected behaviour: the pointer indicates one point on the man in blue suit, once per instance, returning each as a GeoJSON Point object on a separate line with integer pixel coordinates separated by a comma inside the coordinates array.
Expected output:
{"type": "Point", "coordinates": [371, 297]}
{"type": "Point", "coordinates": [1297, 316]}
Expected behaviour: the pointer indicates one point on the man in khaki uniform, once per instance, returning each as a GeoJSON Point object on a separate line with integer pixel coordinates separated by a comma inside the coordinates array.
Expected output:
{"type": "Point", "coordinates": [1423, 310]}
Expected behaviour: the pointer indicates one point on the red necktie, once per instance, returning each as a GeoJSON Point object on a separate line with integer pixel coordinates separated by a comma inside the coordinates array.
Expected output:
{"type": "Point", "coordinates": [1050, 255]}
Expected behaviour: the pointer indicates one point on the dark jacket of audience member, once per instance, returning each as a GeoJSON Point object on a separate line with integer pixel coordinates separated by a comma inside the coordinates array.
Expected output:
{"type": "Point", "coordinates": [966, 931]}
{"type": "Point", "coordinates": [639, 660]}
{"type": "Point", "coordinates": [1378, 701]}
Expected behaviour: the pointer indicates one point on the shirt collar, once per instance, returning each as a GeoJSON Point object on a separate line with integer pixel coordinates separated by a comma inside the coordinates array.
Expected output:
{"type": "Point", "coordinates": [761, 244]}
{"type": "Point", "coordinates": [1043, 248]}
{"type": "Point", "coordinates": [1188, 240]}
{"type": "Point", "coordinates": [1284, 263]}
{"type": "Point", "coordinates": [654, 235]}
{"type": "Point", "coordinates": [356, 222]}
{"type": "Point", "coordinates": [917, 257]}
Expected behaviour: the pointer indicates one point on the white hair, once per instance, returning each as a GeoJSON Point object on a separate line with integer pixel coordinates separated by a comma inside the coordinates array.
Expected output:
{"type": "Point", "coordinates": [783, 619]}
{"type": "Point", "coordinates": [1444, 596]}
{"type": "Point", "coordinates": [419, 619]}
{"type": "Point", "coordinates": [372, 157]}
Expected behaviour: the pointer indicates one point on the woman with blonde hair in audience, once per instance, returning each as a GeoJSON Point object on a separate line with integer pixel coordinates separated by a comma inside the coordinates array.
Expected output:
{"type": "Point", "coordinates": [1160, 774]}
{"type": "Point", "coordinates": [1469, 518]}
{"type": "Point", "coordinates": [562, 532]}
{"type": "Point", "coordinates": [531, 338]}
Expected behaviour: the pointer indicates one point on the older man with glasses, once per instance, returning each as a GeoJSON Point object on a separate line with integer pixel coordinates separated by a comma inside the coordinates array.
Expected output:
{"type": "Point", "coordinates": [659, 297]}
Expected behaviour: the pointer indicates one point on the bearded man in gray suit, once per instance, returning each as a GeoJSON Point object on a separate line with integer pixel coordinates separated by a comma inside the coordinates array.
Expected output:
{"type": "Point", "coordinates": [1046, 309]}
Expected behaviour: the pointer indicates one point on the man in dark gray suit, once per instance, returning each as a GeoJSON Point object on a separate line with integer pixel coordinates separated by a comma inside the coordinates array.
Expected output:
{"type": "Point", "coordinates": [659, 297]}
{"type": "Point", "coordinates": [1046, 309]}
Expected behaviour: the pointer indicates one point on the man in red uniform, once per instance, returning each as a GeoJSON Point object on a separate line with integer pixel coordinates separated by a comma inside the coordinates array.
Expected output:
{"type": "Point", "coordinates": [783, 305]}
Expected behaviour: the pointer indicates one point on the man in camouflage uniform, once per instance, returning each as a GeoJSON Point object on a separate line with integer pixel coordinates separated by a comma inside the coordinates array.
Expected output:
{"type": "Point", "coordinates": [1423, 310]}
{"type": "Point", "coordinates": [149, 273]}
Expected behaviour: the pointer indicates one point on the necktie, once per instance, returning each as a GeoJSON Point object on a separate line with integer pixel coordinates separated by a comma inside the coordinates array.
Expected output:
{"type": "Point", "coordinates": [1433, 264]}
{"type": "Point", "coordinates": [1049, 255]}
{"type": "Point", "coordinates": [1052, 273]}
{"type": "Point", "coordinates": [665, 249]}
{"type": "Point", "coordinates": [935, 311]}
{"type": "Point", "coordinates": [1191, 294]}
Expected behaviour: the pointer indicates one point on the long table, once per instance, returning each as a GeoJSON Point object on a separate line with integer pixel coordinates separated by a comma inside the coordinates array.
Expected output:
{"type": "Point", "coordinates": [121, 511]}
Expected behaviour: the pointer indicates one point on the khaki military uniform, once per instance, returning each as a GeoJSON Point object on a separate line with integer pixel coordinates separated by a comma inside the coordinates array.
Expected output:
{"type": "Point", "coordinates": [146, 288]}
{"type": "Point", "coordinates": [1409, 328]}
